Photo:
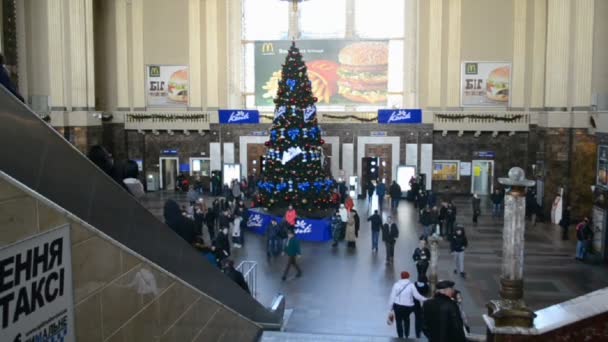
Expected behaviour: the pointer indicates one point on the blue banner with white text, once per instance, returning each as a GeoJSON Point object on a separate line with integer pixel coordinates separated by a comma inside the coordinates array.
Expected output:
{"type": "Point", "coordinates": [239, 116]}
{"type": "Point", "coordinates": [306, 229]}
{"type": "Point", "coordinates": [399, 116]}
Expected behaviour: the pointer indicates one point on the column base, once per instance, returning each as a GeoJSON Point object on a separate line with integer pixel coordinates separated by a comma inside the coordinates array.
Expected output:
{"type": "Point", "coordinates": [511, 313]}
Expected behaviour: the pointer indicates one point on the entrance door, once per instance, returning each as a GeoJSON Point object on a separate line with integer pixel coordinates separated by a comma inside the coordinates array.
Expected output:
{"type": "Point", "coordinates": [168, 172]}
{"type": "Point", "coordinates": [482, 181]}
{"type": "Point", "coordinates": [255, 157]}
{"type": "Point", "coordinates": [384, 153]}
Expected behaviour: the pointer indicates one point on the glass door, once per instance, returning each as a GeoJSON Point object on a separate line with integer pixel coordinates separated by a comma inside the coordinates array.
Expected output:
{"type": "Point", "coordinates": [482, 180]}
{"type": "Point", "coordinates": [168, 172]}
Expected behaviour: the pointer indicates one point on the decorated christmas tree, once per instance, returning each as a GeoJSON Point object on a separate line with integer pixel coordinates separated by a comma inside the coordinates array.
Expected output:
{"type": "Point", "coordinates": [293, 172]}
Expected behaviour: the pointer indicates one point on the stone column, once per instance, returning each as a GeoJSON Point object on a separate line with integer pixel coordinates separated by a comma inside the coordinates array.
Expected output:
{"type": "Point", "coordinates": [434, 247]}
{"type": "Point", "coordinates": [511, 310]}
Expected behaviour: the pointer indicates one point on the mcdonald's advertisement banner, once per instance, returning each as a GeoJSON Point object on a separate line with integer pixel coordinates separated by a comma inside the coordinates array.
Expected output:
{"type": "Point", "coordinates": [485, 84]}
{"type": "Point", "coordinates": [167, 86]}
{"type": "Point", "coordinates": [340, 71]}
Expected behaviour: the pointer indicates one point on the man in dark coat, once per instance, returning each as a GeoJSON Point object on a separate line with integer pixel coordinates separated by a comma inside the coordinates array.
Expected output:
{"type": "Point", "coordinates": [476, 202]}
{"type": "Point", "coordinates": [450, 219]}
{"type": "Point", "coordinates": [426, 220]}
{"type": "Point", "coordinates": [395, 192]}
{"type": "Point", "coordinates": [5, 80]}
{"type": "Point", "coordinates": [376, 221]}
{"type": "Point", "coordinates": [357, 222]}
{"type": "Point", "coordinates": [442, 320]}
{"type": "Point", "coordinates": [183, 226]}
{"type": "Point", "coordinates": [381, 192]}
{"type": "Point", "coordinates": [390, 233]}
{"type": "Point", "coordinates": [235, 275]}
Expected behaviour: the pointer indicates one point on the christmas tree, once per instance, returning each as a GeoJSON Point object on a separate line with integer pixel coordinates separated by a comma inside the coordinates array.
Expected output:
{"type": "Point", "coordinates": [293, 172]}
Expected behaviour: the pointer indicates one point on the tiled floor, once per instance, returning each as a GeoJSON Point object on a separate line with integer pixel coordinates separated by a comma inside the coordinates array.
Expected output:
{"type": "Point", "coordinates": [346, 292]}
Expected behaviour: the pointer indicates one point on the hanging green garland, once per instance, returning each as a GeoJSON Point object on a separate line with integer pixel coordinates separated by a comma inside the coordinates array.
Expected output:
{"type": "Point", "coordinates": [459, 117]}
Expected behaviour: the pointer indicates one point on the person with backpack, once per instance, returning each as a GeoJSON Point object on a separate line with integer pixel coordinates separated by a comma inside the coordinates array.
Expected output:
{"type": "Point", "coordinates": [390, 233]}
{"type": "Point", "coordinates": [401, 304]}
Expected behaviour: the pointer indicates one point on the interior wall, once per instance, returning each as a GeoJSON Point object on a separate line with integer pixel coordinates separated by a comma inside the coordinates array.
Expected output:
{"type": "Point", "coordinates": [105, 57]}
{"type": "Point", "coordinates": [37, 44]}
{"type": "Point", "coordinates": [487, 30]}
{"type": "Point", "coordinates": [600, 49]}
{"type": "Point", "coordinates": [166, 32]}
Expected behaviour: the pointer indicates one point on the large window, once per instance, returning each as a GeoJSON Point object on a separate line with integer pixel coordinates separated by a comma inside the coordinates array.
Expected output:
{"type": "Point", "coordinates": [333, 25]}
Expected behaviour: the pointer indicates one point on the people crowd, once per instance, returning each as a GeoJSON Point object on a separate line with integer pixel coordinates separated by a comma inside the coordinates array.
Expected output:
{"type": "Point", "coordinates": [440, 316]}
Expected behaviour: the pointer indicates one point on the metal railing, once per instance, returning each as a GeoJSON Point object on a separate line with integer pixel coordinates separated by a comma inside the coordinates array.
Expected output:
{"type": "Point", "coordinates": [249, 269]}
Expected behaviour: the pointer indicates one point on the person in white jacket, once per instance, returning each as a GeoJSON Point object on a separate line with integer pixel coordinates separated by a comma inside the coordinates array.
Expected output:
{"type": "Point", "coordinates": [401, 304]}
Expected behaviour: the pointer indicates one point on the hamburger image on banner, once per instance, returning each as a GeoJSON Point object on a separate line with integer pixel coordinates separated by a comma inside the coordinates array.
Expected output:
{"type": "Point", "coordinates": [167, 86]}
{"type": "Point", "coordinates": [485, 84]}
{"type": "Point", "coordinates": [363, 72]}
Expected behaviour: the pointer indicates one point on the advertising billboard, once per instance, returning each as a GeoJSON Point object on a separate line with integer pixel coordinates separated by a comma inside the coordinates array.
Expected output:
{"type": "Point", "coordinates": [167, 86]}
{"type": "Point", "coordinates": [36, 289]}
{"type": "Point", "coordinates": [485, 84]}
{"type": "Point", "coordinates": [341, 72]}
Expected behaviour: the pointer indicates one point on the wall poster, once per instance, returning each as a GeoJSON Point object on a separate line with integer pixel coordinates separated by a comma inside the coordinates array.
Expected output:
{"type": "Point", "coordinates": [340, 71]}
{"type": "Point", "coordinates": [465, 168]}
{"type": "Point", "coordinates": [485, 84]}
{"type": "Point", "coordinates": [602, 166]}
{"type": "Point", "coordinates": [167, 86]}
{"type": "Point", "coordinates": [446, 170]}
{"type": "Point", "coordinates": [36, 301]}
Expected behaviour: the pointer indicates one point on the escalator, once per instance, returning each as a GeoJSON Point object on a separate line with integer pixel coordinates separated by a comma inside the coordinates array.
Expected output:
{"type": "Point", "coordinates": [39, 158]}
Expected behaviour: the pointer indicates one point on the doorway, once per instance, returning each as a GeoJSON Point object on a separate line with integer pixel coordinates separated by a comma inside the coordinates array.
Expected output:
{"type": "Point", "coordinates": [383, 153]}
{"type": "Point", "coordinates": [255, 159]}
{"type": "Point", "coordinates": [482, 180]}
{"type": "Point", "coordinates": [168, 172]}
{"type": "Point", "coordinates": [200, 171]}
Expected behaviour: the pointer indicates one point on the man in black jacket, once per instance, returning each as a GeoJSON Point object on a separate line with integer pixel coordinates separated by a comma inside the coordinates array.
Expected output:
{"type": "Point", "coordinates": [450, 219]}
{"type": "Point", "coordinates": [376, 221]}
{"type": "Point", "coordinates": [458, 244]}
{"type": "Point", "coordinates": [426, 220]}
{"type": "Point", "coordinates": [496, 198]}
{"type": "Point", "coordinates": [235, 275]}
{"type": "Point", "coordinates": [442, 320]}
{"type": "Point", "coordinates": [390, 233]}
{"type": "Point", "coordinates": [395, 192]}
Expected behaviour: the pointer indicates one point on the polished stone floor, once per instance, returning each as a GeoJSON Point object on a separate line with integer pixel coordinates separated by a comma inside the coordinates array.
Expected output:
{"type": "Point", "coordinates": [346, 292]}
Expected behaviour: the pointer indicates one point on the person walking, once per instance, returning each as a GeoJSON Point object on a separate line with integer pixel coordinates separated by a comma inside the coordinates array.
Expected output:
{"type": "Point", "coordinates": [390, 233]}
{"type": "Point", "coordinates": [349, 203]}
{"type": "Point", "coordinates": [401, 304]}
{"type": "Point", "coordinates": [371, 188]}
{"type": "Point", "coordinates": [357, 222]}
{"type": "Point", "coordinates": [565, 222]}
{"type": "Point", "coordinates": [422, 285]}
{"type": "Point", "coordinates": [336, 229]}
{"type": "Point", "coordinates": [442, 320]}
{"type": "Point", "coordinates": [222, 244]}
{"type": "Point", "coordinates": [395, 192]}
{"type": "Point", "coordinates": [496, 198]}
{"type": "Point", "coordinates": [273, 242]}
{"type": "Point", "coordinates": [351, 235]}
{"type": "Point", "coordinates": [458, 244]}
{"type": "Point", "coordinates": [422, 199]}
{"type": "Point", "coordinates": [422, 257]}
{"type": "Point", "coordinates": [344, 218]}
{"type": "Point", "coordinates": [450, 220]}
{"type": "Point", "coordinates": [376, 221]}
{"type": "Point", "coordinates": [235, 275]}
{"type": "Point", "coordinates": [292, 250]}
{"type": "Point", "coordinates": [443, 216]}
{"type": "Point", "coordinates": [476, 202]}
{"type": "Point", "coordinates": [381, 192]}
{"type": "Point", "coordinates": [426, 221]}
{"type": "Point", "coordinates": [434, 220]}
{"type": "Point", "coordinates": [463, 315]}
{"type": "Point", "coordinates": [584, 235]}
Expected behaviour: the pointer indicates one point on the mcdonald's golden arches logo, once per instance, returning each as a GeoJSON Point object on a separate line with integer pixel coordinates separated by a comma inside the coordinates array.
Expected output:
{"type": "Point", "coordinates": [268, 48]}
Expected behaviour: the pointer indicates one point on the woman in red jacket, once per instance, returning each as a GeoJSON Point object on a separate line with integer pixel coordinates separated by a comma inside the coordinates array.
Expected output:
{"type": "Point", "coordinates": [291, 216]}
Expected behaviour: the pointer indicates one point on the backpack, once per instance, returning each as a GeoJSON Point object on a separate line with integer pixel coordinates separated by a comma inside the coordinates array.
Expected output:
{"type": "Point", "coordinates": [282, 233]}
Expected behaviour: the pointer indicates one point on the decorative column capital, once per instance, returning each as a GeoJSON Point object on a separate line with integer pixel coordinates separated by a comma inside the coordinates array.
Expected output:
{"type": "Point", "coordinates": [516, 181]}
